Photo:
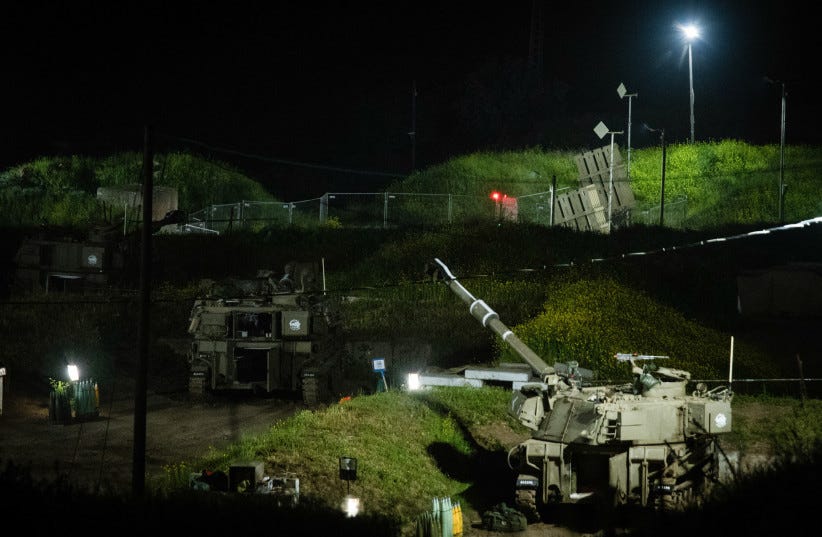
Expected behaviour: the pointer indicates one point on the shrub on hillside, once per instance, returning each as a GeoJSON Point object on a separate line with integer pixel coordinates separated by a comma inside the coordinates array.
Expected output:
{"type": "Point", "coordinates": [591, 320]}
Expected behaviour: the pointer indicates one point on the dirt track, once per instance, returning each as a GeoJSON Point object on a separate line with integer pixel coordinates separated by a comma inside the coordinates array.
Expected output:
{"type": "Point", "coordinates": [99, 452]}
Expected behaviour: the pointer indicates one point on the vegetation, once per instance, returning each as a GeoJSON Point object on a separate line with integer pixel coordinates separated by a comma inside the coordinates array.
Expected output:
{"type": "Point", "coordinates": [543, 283]}
{"type": "Point", "coordinates": [718, 183]}
{"type": "Point", "coordinates": [400, 468]}
{"type": "Point", "coordinates": [62, 191]}
{"type": "Point", "coordinates": [593, 319]}
{"type": "Point", "coordinates": [723, 182]}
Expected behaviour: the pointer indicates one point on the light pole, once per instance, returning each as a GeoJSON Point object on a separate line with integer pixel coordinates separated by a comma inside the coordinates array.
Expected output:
{"type": "Point", "coordinates": [601, 130]}
{"type": "Point", "coordinates": [622, 92]}
{"type": "Point", "coordinates": [691, 32]}
{"type": "Point", "coordinates": [781, 151]}
{"type": "Point", "coordinates": [662, 188]}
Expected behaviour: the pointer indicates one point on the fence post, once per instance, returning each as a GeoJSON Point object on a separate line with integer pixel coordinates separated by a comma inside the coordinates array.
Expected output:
{"type": "Point", "coordinates": [803, 393]}
{"type": "Point", "coordinates": [323, 208]}
{"type": "Point", "coordinates": [553, 191]}
{"type": "Point", "coordinates": [450, 208]}
{"type": "Point", "coordinates": [385, 210]}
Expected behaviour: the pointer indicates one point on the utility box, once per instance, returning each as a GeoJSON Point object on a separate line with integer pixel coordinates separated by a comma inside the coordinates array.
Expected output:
{"type": "Point", "coordinates": [245, 477]}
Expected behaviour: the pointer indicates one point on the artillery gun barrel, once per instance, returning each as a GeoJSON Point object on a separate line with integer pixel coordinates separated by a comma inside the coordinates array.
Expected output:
{"type": "Point", "coordinates": [489, 319]}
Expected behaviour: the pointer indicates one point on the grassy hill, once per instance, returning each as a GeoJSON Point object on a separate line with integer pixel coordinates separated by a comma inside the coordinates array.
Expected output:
{"type": "Point", "coordinates": [538, 278]}
{"type": "Point", "coordinates": [724, 182]}
{"type": "Point", "coordinates": [567, 294]}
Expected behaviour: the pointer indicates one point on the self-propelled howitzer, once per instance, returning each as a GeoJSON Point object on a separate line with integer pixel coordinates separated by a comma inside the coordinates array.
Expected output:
{"type": "Point", "coordinates": [647, 442]}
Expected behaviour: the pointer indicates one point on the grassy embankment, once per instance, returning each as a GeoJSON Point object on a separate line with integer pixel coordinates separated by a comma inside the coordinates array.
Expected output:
{"type": "Point", "coordinates": [413, 447]}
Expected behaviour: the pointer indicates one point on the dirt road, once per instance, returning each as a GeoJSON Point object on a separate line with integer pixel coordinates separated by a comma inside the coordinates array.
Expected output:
{"type": "Point", "coordinates": [99, 452]}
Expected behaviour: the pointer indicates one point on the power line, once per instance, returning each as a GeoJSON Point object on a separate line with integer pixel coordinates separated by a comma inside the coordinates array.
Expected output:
{"type": "Point", "coordinates": [279, 160]}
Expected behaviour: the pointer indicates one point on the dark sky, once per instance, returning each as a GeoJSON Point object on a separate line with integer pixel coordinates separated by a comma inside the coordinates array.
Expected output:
{"type": "Point", "coordinates": [267, 85]}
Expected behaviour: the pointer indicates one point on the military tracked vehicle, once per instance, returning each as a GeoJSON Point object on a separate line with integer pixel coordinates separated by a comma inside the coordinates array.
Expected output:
{"type": "Point", "coordinates": [267, 335]}
{"type": "Point", "coordinates": [648, 442]}
{"type": "Point", "coordinates": [65, 260]}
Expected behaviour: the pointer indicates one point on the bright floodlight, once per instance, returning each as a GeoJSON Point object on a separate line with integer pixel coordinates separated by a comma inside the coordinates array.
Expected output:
{"type": "Point", "coordinates": [413, 381]}
{"type": "Point", "coordinates": [690, 31]}
{"type": "Point", "coordinates": [351, 506]}
{"type": "Point", "coordinates": [73, 373]}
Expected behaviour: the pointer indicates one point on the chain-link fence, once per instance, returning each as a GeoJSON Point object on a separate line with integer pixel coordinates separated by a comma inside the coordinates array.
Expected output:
{"type": "Point", "coordinates": [396, 209]}
{"type": "Point", "coordinates": [349, 209]}
{"type": "Point", "coordinates": [674, 214]}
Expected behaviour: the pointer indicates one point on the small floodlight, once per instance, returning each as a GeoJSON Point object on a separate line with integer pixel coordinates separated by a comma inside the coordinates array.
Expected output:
{"type": "Point", "coordinates": [351, 506]}
{"type": "Point", "coordinates": [413, 381]}
{"type": "Point", "coordinates": [73, 373]}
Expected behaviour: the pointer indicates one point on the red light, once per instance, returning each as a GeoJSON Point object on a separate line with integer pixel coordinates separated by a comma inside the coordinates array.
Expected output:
{"type": "Point", "coordinates": [495, 196]}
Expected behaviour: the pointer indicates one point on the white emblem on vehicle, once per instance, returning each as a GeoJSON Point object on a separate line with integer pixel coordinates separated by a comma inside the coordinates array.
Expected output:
{"type": "Point", "coordinates": [720, 420]}
{"type": "Point", "coordinates": [92, 259]}
{"type": "Point", "coordinates": [294, 324]}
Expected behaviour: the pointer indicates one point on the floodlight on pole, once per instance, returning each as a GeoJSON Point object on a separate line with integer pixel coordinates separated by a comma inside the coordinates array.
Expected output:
{"type": "Point", "coordinates": [601, 130]}
{"type": "Point", "coordinates": [622, 92]}
{"type": "Point", "coordinates": [690, 32]}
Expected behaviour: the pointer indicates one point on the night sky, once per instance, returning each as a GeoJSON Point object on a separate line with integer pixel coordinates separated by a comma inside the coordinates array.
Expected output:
{"type": "Point", "coordinates": [272, 87]}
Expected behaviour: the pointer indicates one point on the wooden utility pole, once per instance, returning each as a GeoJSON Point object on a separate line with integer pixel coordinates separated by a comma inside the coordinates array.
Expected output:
{"type": "Point", "coordinates": [138, 473]}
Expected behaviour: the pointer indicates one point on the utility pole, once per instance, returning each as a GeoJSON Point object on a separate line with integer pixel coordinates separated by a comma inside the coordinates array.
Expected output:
{"type": "Point", "coordinates": [138, 473]}
{"type": "Point", "coordinates": [782, 159]}
{"type": "Point", "coordinates": [662, 188]}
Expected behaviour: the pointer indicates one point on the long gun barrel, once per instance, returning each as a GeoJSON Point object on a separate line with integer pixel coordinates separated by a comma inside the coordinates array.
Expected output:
{"type": "Point", "coordinates": [489, 319]}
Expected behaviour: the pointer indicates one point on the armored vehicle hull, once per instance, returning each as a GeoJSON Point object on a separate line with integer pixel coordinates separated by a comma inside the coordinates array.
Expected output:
{"type": "Point", "coordinates": [612, 447]}
{"type": "Point", "coordinates": [266, 336]}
